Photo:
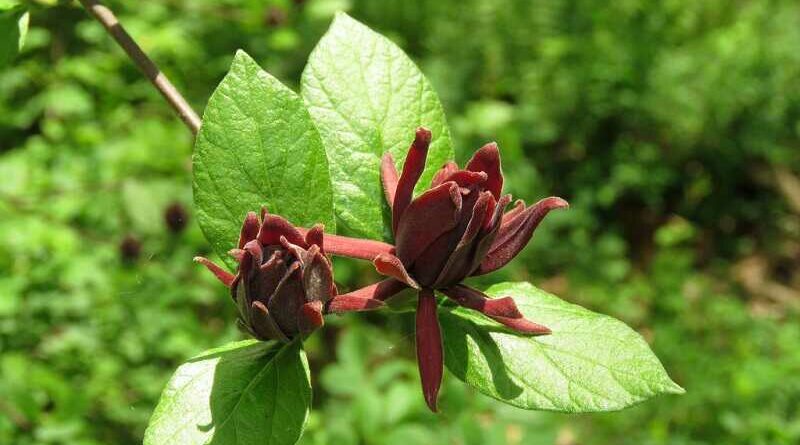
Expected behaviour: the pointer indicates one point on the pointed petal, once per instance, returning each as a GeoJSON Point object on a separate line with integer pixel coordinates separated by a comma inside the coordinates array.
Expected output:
{"type": "Point", "coordinates": [249, 229]}
{"type": "Point", "coordinates": [236, 254]}
{"type": "Point", "coordinates": [364, 249]}
{"type": "Point", "coordinates": [445, 172]}
{"type": "Point", "coordinates": [274, 227]}
{"type": "Point", "coordinates": [388, 178]}
{"type": "Point", "coordinates": [503, 310]}
{"type": "Point", "coordinates": [412, 170]}
{"type": "Point", "coordinates": [310, 318]}
{"type": "Point", "coordinates": [432, 214]}
{"type": "Point", "coordinates": [487, 159]}
{"type": "Point", "coordinates": [349, 303]}
{"type": "Point", "coordinates": [430, 357]}
{"type": "Point", "coordinates": [514, 235]}
{"type": "Point", "coordinates": [222, 275]}
{"type": "Point", "coordinates": [459, 263]}
{"type": "Point", "coordinates": [391, 266]}
{"type": "Point", "coordinates": [263, 325]}
{"type": "Point", "coordinates": [316, 235]}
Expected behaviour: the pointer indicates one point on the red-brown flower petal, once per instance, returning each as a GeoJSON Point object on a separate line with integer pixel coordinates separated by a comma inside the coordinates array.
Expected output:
{"type": "Point", "coordinates": [489, 232]}
{"type": "Point", "coordinates": [377, 291]}
{"type": "Point", "coordinates": [460, 261]}
{"type": "Point", "coordinates": [430, 357]}
{"type": "Point", "coordinates": [249, 229]}
{"type": "Point", "coordinates": [274, 227]}
{"type": "Point", "coordinates": [317, 277]}
{"type": "Point", "coordinates": [285, 302]}
{"type": "Point", "coordinates": [503, 310]}
{"type": "Point", "coordinates": [310, 317]}
{"type": "Point", "coordinates": [412, 170]}
{"type": "Point", "coordinates": [432, 214]}
{"type": "Point", "coordinates": [487, 159]}
{"type": "Point", "coordinates": [388, 178]}
{"type": "Point", "coordinates": [222, 275]}
{"type": "Point", "coordinates": [443, 173]}
{"type": "Point", "coordinates": [263, 325]}
{"type": "Point", "coordinates": [316, 235]}
{"type": "Point", "coordinates": [349, 303]}
{"type": "Point", "coordinates": [391, 266]}
{"type": "Point", "coordinates": [466, 178]}
{"type": "Point", "coordinates": [519, 207]}
{"type": "Point", "coordinates": [514, 236]}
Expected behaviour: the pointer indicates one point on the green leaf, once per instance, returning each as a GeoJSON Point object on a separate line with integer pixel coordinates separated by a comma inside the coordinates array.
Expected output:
{"type": "Point", "coordinates": [591, 362]}
{"type": "Point", "coordinates": [366, 97]}
{"type": "Point", "coordinates": [13, 28]}
{"type": "Point", "coordinates": [243, 393]}
{"type": "Point", "coordinates": [257, 146]}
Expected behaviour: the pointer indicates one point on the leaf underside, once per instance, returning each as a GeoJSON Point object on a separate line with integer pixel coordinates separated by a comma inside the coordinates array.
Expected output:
{"type": "Point", "coordinates": [591, 362]}
{"type": "Point", "coordinates": [243, 393]}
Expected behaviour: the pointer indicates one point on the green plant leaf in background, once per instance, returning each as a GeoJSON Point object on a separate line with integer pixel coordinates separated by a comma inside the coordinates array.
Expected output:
{"type": "Point", "coordinates": [367, 97]}
{"type": "Point", "coordinates": [257, 146]}
{"type": "Point", "coordinates": [591, 362]}
{"type": "Point", "coordinates": [13, 28]}
{"type": "Point", "coordinates": [242, 393]}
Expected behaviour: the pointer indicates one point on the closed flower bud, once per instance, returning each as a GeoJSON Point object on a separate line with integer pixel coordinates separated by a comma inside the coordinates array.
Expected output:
{"type": "Point", "coordinates": [284, 282]}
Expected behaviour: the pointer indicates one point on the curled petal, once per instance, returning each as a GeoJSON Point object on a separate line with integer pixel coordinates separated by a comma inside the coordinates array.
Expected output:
{"type": "Point", "coordinates": [354, 247]}
{"type": "Point", "coordinates": [487, 159]}
{"type": "Point", "coordinates": [222, 275]}
{"type": "Point", "coordinates": [445, 172]}
{"type": "Point", "coordinates": [391, 266]}
{"type": "Point", "coordinates": [515, 234]}
{"type": "Point", "coordinates": [503, 310]}
{"type": "Point", "coordinates": [430, 358]}
{"type": "Point", "coordinates": [388, 178]}
{"type": "Point", "coordinates": [315, 235]}
{"type": "Point", "coordinates": [466, 178]}
{"type": "Point", "coordinates": [275, 227]}
{"type": "Point", "coordinates": [310, 317]}
{"type": "Point", "coordinates": [519, 206]}
{"type": "Point", "coordinates": [432, 214]}
{"type": "Point", "coordinates": [412, 170]}
{"type": "Point", "coordinates": [249, 229]}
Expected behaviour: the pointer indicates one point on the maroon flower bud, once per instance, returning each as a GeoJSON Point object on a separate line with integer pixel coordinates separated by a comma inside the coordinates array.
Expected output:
{"type": "Point", "coordinates": [130, 248]}
{"type": "Point", "coordinates": [458, 228]}
{"type": "Point", "coordinates": [284, 281]}
{"type": "Point", "coordinates": [175, 217]}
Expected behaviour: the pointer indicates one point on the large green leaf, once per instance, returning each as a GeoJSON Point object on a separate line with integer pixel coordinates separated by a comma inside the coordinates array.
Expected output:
{"type": "Point", "coordinates": [243, 393]}
{"type": "Point", "coordinates": [257, 146]}
{"type": "Point", "coordinates": [13, 28]}
{"type": "Point", "coordinates": [591, 362]}
{"type": "Point", "coordinates": [366, 97]}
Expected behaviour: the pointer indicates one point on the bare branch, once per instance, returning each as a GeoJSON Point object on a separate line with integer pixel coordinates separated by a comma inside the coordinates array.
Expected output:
{"type": "Point", "coordinates": [150, 70]}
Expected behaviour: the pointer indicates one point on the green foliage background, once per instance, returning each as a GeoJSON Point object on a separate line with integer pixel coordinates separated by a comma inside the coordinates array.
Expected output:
{"type": "Point", "coordinates": [672, 127]}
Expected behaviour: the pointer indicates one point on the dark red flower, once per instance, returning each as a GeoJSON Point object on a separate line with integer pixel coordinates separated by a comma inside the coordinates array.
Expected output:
{"type": "Point", "coordinates": [458, 228]}
{"type": "Point", "coordinates": [284, 282]}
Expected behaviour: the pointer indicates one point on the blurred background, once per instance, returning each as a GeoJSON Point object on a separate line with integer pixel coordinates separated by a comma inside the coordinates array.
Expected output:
{"type": "Point", "coordinates": [671, 126]}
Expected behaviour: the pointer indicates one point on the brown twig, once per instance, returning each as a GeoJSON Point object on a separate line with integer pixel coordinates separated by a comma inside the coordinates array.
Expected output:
{"type": "Point", "coordinates": [150, 70]}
